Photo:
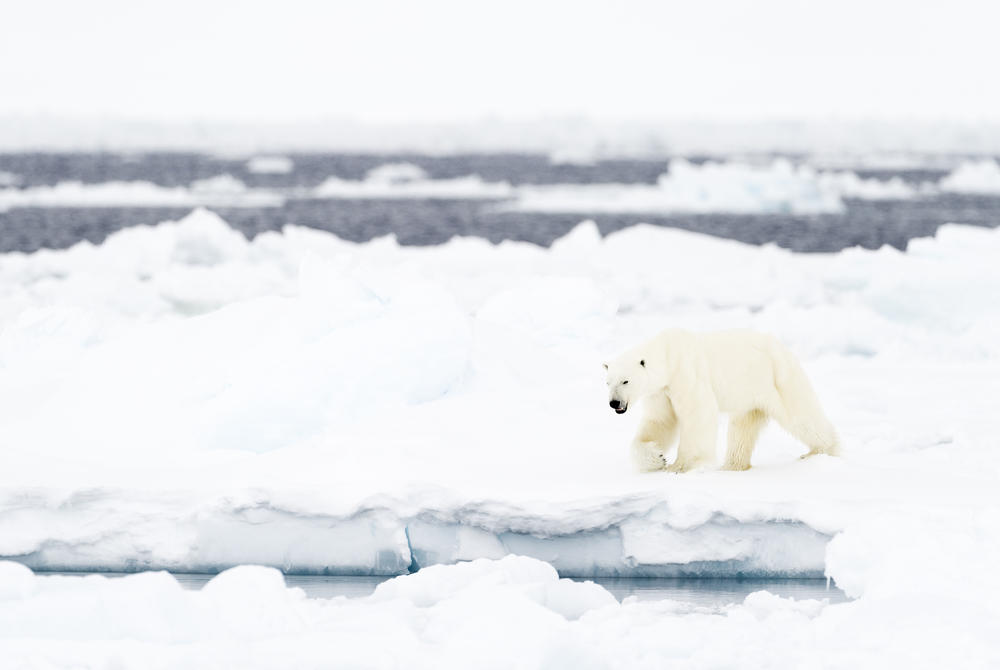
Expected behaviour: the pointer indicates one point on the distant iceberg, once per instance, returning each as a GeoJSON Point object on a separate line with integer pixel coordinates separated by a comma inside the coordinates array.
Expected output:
{"type": "Point", "coordinates": [730, 187]}
{"type": "Point", "coordinates": [405, 180]}
{"type": "Point", "coordinates": [270, 165]}
{"type": "Point", "coordinates": [974, 177]}
{"type": "Point", "coordinates": [218, 191]}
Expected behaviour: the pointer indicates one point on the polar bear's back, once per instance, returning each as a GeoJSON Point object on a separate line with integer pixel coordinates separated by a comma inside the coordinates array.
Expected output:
{"type": "Point", "coordinates": [740, 348]}
{"type": "Point", "coordinates": [747, 368]}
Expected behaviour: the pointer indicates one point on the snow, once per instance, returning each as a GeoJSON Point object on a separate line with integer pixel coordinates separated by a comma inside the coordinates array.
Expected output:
{"type": "Point", "coordinates": [324, 406]}
{"type": "Point", "coordinates": [512, 612]}
{"type": "Point", "coordinates": [9, 178]}
{"type": "Point", "coordinates": [181, 398]}
{"type": "Point", "coordinates": [974, 177]}
{"type": "Point", "coordinates": [218, 191]}
{"type": "Point", "coordinates": [270, 165]}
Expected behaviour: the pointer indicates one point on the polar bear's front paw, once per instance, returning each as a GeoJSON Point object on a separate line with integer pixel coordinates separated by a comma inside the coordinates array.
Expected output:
{"type": "Point", "coordinates": [648, 457]}
{"type": "Point", "coordinates": [678, 467]}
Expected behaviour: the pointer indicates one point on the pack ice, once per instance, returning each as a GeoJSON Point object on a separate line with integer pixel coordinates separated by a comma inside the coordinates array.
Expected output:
{"type": "Point", "coordinates": [179, 397]}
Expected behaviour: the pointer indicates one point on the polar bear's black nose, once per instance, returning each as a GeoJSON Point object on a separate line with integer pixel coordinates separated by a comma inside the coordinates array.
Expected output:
{"type": "Point", "coordinates": [615, 404]}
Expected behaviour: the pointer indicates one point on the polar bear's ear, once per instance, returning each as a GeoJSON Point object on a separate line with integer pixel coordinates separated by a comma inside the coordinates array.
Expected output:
{"type": "Point", "coordinates": [642, 363]}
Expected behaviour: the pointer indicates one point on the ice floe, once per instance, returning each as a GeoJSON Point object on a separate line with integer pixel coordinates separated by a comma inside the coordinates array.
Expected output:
{"type": "Point", "coordinates": [270, 165]}
{"type": "Point", "coordinates": [218, 191]}
{"type": "Point", "coordinates": [181, 397]}
{"type": "Point", "coordinates": [512, 612]}
{"type": "Point", "coordinates": [405, 180]}
{"type": "Point", "coordinates": [732, 187]}
{"type": "Point", "coordinates": [974, 177]}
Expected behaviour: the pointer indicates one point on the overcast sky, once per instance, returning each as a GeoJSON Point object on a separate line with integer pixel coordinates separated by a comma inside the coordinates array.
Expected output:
{"type": "Point", "coordinates": [438, 60]}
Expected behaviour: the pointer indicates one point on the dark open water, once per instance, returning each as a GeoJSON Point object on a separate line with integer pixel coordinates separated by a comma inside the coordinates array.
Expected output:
{"type": "Point", "coordinates": [869, 224]}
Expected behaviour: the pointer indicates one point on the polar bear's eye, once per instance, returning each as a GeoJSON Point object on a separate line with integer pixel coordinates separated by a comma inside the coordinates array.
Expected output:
{"type": "Point", "coordinates": [624, 382]}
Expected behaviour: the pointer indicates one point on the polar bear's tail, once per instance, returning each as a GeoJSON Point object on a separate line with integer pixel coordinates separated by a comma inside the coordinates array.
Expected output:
{"type": "Point", "coordinates": [801, 414]}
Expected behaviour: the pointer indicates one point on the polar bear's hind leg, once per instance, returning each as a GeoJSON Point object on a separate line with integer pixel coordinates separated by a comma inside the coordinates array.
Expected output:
{"type": "Point", "coordinates": [801, 414]}
{"type": "Point", "coordinates": [805, 420]}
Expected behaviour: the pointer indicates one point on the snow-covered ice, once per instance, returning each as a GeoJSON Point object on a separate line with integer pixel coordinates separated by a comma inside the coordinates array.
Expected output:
{"type": "Point", "coordinates": [180, 397]}
{"type": "Point", "coordinates": [405, 180]}
{"type": "Point", "coordinates": [780, 186]}
{"type": "Point", "coordinates": [270, 165]}
{"type": "Point", "coordinates": [732, 186]}
{"type": "Point", "coordinates": [735, 187]}
{"type": "Point", "coordinates": [218, 191]}
{"type": "Point", "coordinates": [974, 177]}
{"type": "Point", "coordinates": [512, 612]}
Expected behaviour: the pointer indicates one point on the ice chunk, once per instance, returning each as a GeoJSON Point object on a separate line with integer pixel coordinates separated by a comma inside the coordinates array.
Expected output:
{"type": "Point", "coordinates": [16, 581]}
{"type": "Point", "coordinates": [686, 187]}
{"type": "Point", "coordinates": [270, 165]}
{"type": "Point", "coordinates": [405, 180]}
{"type": "Point", "coordinates": [974, 177]}
{"type": "Point", "coordinates": [220, 191]}
{"type": "Point", "coordinates": [535, 579]}
{"type": "Point", "coordinates": [396, 173]}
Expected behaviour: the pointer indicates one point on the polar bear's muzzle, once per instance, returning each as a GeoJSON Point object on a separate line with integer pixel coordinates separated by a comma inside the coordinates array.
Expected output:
{"type": "Point", "coordinates": [618, 406]}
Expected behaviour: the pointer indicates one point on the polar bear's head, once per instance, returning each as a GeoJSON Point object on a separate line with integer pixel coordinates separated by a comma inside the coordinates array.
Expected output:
{"type": "Point", "coordinates": [628, 381]}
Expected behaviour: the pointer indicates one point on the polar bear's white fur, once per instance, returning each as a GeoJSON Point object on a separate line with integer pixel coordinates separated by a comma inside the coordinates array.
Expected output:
{"type": "Point", "coordinates": [684, 380]}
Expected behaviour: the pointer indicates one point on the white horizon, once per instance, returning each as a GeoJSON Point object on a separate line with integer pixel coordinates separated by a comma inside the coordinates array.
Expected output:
{"type": "Point", "coordinates": [448, 62]}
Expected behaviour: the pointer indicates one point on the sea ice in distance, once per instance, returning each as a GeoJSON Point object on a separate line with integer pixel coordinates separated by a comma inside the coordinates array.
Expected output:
{"type": "Point", "coordinates": [974, 177]}
{"type": "Point", "coordinates": [218, 191]}
{"type": "Point", "coordinates": [270, 165]}
{"type": "Point", "coordinates": [739, 188]}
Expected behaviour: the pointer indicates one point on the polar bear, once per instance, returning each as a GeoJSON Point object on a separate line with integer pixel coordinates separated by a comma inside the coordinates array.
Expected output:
{"type": "Point", "coordinates": [685, 380]}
